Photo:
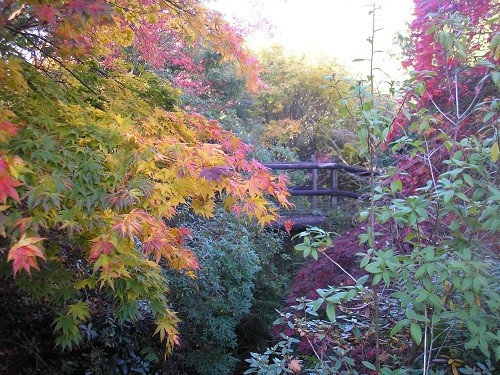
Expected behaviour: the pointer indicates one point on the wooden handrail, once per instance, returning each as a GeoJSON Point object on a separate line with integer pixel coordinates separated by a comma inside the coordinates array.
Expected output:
{"type": "Point", "coordinates": [311, 165]}
{"type": "Point", "coordinates": [314, 190]}
{"type": "Point", "coordinates": [334, 192]}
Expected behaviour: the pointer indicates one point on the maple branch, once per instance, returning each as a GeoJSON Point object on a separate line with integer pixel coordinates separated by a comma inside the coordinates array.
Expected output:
{"type": "Point", "coordinates": [62, 65]}
{"type": "Point", "coordinates": [168, 3]}
{"type": "Point", "coordinates": [27, 23]}
{"type": "Point", "coordinates": [101, 72]}
{"type": "Point", "coordinates": [175, 5]}
{"type": "Point", "coordinates": [31, 351]}
{"type": "Point", "coordinates": [16, 12]}
{"type": "Point", "coordinates": [337, 148]}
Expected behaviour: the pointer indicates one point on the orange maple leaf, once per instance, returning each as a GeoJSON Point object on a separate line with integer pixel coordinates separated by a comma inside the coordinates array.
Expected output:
{"type": "Point", "coordinates": [295, 366]}
{"type": "Point", "coordinates": [23, 224]}
{"type": "Point", "coordinates": [133, 224]}
{"type": "Point", "coordinates": [23, 254]}
{"type": "Point", "coordinates": [259, 183]}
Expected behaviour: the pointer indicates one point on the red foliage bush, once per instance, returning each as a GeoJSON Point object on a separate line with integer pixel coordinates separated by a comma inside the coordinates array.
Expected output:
{"type": "Point", "coordinates": [322, 273]}
{"type": "Point", "coordinates": [454, 81]}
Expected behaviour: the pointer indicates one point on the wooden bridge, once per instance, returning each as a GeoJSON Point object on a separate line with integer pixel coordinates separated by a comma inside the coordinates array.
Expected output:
{"type": "Point", "coordinates": [312, 211]}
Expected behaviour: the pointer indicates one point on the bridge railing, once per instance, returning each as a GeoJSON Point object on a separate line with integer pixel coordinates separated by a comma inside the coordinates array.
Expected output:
{"type": "Point", "coordinates": [314, 190]}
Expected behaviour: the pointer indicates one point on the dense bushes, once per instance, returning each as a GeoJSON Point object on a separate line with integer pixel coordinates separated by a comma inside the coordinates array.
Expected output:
{"type": "Point", "coordinates": [241, 269]}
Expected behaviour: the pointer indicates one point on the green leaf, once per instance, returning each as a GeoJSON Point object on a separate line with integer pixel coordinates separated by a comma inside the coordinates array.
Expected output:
{"type": "Point", "coordinates": [387, 278]}
{"type": "Point", "coordinates": [364, 237]}
{"type": "Point", "coordinates": [376, 279]}
{"type": "Point", "coordinates": [431, 29]}
{"type": "Point", "coordinates": [384, 216]}
{"type": "Point", "coordinates": [422, 295]}
{"type": "Point", "coordinates": [399, 326]}
{"type": "Point", "coordinates": [396, 186]}
{"type": "Point", "coordinates": [364, 261]}
{"type": "Point", "coordinates": [420, 88]}
{"type": "Point", "coordinates": [411, 314]}
{"type": "Point", "coordinates": [466, 254]}
{"type": "Point", "coordinates": [362, 280]}
{"type": "Point", "coordinates": [330, 312]}
{"type": "Point", "coordinates": [489, 116]}
{"type": "Point", "coordinates": [373, 268]}
{"type": "Point", "coordinates": [494, 152]}
{"type": "Point", "coordinates": [416, 332]}
{"type": "Point", "coordinates": [350, 294]}
{"type": "Point", "coordinates": [314, 254]}
{"type": "Point", "coordinates": [495, 76]}
{"type": "Point", "coordinates": [369, 365]}
{"type": "Point", "coordinates": [467, 178]}
{"type": "Point", "coordinates": [472, 343]}
{"type": "Point", "coordinates": [421, 271]}
{"type": "Point", "coordinates": [435, 301]}
{"type": "Point", "coordinates": [317, 304]}
{"type": "Point", "coordinates": [448, 195]}
{"type": "Point", "coordinates": [79, 310]}
{"type": "Point", "coordinates": [128, 311]}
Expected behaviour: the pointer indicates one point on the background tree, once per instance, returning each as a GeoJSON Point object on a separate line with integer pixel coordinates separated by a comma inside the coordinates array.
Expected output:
{"type": "Point", "coordinates": [300, 111]}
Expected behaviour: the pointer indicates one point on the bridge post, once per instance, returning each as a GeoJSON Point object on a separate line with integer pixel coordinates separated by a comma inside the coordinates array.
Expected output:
{"type": "Point", "coordinates": [314, 186]}
{"type": "Point", "coordinates": [335, 183]}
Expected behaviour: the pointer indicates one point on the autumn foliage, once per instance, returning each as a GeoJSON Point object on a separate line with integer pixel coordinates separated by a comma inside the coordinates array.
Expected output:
{"type": "Point", "coordinates": [453, 49]}
{"type": "Point", "coordinates": [95, 158]}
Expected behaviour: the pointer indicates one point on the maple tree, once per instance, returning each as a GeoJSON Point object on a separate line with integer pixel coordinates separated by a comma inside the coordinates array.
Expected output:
{"type": "Point", "coordinates": [95, 158]}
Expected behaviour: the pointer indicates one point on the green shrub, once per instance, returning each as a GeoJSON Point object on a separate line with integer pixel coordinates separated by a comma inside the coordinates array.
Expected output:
{"type": "Point", "coordinates": [240, 265]}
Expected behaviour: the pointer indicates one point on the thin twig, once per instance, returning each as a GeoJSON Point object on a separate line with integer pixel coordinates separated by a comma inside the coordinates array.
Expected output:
{"type": "Point", "coordinates": [439, 110]}
{"type": "Point", "coordinates": [339, 266]}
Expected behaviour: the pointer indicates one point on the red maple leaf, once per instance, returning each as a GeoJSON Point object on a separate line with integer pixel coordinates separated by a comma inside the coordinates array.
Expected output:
{"type": "Point", "coordinates": [23, 254]}
{"type": "Point", "coordinates": [133, 224]}
{"type": "Point", "coordinates": [214, 173]}
{"type": "Point", "coordinates": [7, 130]}
{"type": "Point", "coordinates": [7, 185]}
{"type": "Point", "coordinates": [46, 13]}
{"type": "Point", "coordinates": [92, 8]}
{"type": "Point", "coordinates": [23, 224]}
{"type": "Point", "coordinates": [288, 226]}
{"type": "Point", "coordinates": [3, 166]}
{"type": "Point", "coordinates": [100, 246]}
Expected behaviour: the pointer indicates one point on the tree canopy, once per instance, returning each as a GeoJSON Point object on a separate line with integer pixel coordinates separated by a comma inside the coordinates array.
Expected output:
{"type": "Point", "coordinates": [95, 156]}
{"type": "Point", "coordinates": [300, 110]}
